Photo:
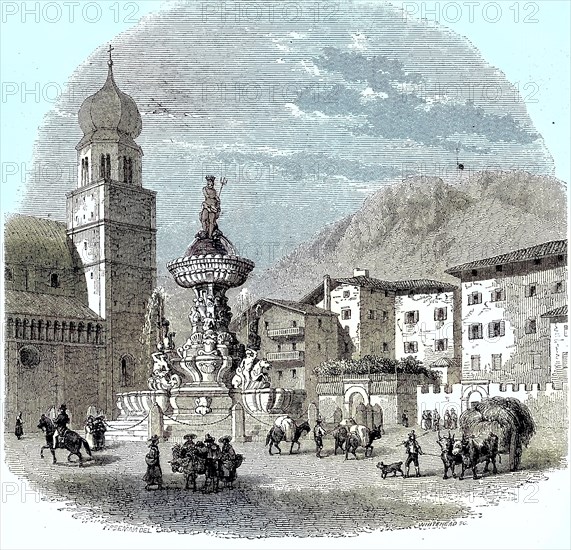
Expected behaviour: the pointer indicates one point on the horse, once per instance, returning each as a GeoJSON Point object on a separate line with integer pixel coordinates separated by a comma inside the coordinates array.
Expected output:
{"type": "Point", "coordinates": [69, 440]}
{"type": "Point", "coordinates": [361, 436]}
{"type": "Point", "coordinates": [276, 435]}
{"type": "Point", "coordinates": [340, 437]}
{"type": "Point", "coordinates": [473, 453]}
{"type": "Point", "coordinates": [449, 459]}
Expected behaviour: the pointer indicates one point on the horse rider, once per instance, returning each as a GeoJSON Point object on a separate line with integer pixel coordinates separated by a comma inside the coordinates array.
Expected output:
{"type": "Point", "coordinates": [61, 423]}
{"type": "Point", "coordinates": [412, 450]}
{"type": "Point", "coordinates": [49, 428]}
{"type": "Point", "coordinates": [318, 434]}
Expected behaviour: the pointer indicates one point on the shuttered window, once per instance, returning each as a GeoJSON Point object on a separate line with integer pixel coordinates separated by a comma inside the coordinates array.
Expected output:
{"type": "Point", "coordinates": [496, 329]}
{"type": "Point", "coordinates": [475, 331]}
{"type": "Point", "coordinates": [440, 314]}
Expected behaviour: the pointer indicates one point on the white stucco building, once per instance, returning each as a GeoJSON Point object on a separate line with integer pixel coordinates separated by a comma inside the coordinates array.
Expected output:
{"type": "Point", "coordinates": [504, 337]}
{"type": "Point", "coordinates": [559, 345]}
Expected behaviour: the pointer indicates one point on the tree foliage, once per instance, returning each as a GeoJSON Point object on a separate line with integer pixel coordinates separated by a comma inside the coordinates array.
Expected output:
{"type": "Point", "coordinates": [371, 364]}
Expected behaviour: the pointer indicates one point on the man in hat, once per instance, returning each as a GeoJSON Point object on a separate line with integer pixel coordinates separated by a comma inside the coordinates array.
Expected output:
{"type": "Point", "coordinates": [154, 475]}
{"type": "Point", "coordinates": [61, 423]}
{"type": "Point", "coordinates": [318, 433]}
{"type": "Point", "coordinates": [188, 445]}
{"type": "Point", "coordinates": [412, 450]}
{"type": "Point", "coordinates": [212, 458]}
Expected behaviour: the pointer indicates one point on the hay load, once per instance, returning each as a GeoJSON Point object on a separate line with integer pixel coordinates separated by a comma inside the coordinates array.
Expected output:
{"type": "Point", "coordinates": [508, 418]}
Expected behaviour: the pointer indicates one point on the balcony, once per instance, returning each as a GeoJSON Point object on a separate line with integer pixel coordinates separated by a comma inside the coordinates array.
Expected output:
{"type": "Point", "coordinates": [285, 332]}
{"type": "Point", "coordinates": [285, 356]}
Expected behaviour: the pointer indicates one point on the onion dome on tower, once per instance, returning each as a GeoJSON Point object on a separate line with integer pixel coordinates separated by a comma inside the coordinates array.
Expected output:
{"type": "Point", "coordinates": [109, 114]}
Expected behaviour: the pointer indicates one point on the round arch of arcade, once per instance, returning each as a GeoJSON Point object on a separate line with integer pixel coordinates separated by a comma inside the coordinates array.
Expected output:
{"type": "Point", "coordinates": [355, 396]}
{"type": "Point", "coordinates": [473, 394]}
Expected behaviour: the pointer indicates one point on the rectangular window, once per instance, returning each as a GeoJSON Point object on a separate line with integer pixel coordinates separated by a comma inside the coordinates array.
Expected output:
{"type": "Point", "coordinates": [385, 315]}
{"type": "Point", "coordinates": [565, 359]}
{"type": "Point", "coordinates": [267, 325]}
{"type": "Point", "coordinates": [294, 324]}
{"type": "Point", "coordinates": [441, 345]}
{"type": "Point", "coordinates": [531, 290]}
{"type": "Point", "coordinates": [440, 314]}
{"type": "Point", "coordinates": [411, 317]}
{"type": "Point", "coordinates": [498, 295]}
{"type": "Point", "coordinates": [280, 374]}
{"type": "Point", "coordinates": [531, 326]}
{"type": "Point", "coordinates": [372, 314]}
{"type": "Point", "coordinates": [293, 373]}
{"type": "Point", "coordinates": [496, 329]}
{"type": "Point", "coordinates": [474, 298]}
{"type": "Point", "coordinates": [345, 314]}
{"type": "Point", "coordinates": [499, 268]}
{"type": "Point", "coordinates": [496, 361]}
{"type": "Point", "coordinates": [475, 331]}
{"type": "Point", "coordinates": [536, 360]}
{"type": "Point", "coordinates": [293, 346]}
{"type": "Point", "coordinates": [411, 347]}
{"type": "Point", "coordinates": [475, 362]}
{"type": "Point", "coordinates": [318, 347]}
{"type": "Point", "coordinates": [385, 347]}
{"type": "Point", "coordinates": [346, 294]}
{"type": "Point", "coordinates": [319, 323]}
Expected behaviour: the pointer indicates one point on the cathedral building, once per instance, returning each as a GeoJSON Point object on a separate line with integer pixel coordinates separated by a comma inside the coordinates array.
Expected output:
{"type": "Point", "coordinates": [77, 292]}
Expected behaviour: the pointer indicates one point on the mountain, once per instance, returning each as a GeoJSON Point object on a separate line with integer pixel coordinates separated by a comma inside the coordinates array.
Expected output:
{"type": "Point", "coordinates": [417, 228]}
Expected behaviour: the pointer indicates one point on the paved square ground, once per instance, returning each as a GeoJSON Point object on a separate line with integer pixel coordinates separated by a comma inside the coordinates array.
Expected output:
{"type": "Point", "coordinates": [287, 495]}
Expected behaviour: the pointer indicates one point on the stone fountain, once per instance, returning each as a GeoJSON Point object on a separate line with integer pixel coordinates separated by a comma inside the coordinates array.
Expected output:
{"type": "Point", "coordinates": [196, 385]}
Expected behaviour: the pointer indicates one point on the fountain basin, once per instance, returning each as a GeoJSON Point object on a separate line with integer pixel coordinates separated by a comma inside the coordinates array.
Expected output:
{"type": "Point", "coordinates": [270, 400]}
{"type": "Point", "coordinates": [224, 270]}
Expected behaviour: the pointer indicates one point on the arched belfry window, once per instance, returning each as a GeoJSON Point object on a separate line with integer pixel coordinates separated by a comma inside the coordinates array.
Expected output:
{"type": "Point", "coordinates": [127, 370]}
{"type": "Point", "coordinates": [105, 166]}
{"type": "Point", "coordinates": [127, 170]}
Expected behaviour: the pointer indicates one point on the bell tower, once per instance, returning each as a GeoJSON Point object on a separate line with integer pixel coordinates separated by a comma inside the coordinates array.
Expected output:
{"type": "Point", "coordinates": [111, 221]}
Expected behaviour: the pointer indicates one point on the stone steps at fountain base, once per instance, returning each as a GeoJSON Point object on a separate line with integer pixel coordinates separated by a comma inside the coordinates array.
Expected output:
{"type": "Point", "coordinates": [123, 430]}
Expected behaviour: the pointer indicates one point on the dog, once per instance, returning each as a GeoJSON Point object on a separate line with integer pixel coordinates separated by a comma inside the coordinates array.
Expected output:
{"type": "Point", "coordinates": [388, 468]}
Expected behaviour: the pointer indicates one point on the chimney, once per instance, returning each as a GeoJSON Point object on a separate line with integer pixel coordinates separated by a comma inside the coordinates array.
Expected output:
{"type": "Point", "coordinates": [358, 272]}
{"type": "Point", "coordinates": [327, 293]}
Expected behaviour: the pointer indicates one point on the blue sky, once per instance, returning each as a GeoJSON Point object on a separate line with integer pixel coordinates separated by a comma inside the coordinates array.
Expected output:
{"type": "Point", "coordinates": [43, 44]}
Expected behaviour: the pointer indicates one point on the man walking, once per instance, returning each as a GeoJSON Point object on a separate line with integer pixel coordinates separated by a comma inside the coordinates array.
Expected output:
{"type": "Point", "coordinates": [154, 475]}
{"type": "Point", "coordinates": [318, 433]}
{"type": "Point", "coordinates": [412, 450]}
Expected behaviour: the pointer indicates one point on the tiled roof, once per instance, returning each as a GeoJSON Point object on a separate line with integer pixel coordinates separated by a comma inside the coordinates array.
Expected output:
{"type": "Point", "coordinates": [366, 282]}
{"type": "Point", "coordinates": [423, 285]}
{"type": "Point", "coordinates": [420, 285]}
{"type": "Point", "coordinates": [47, 305]}
{"type": "Point", "coordinates": [306, 309]}
{"type": "Point", "coordinates": [551, 248]}
{"type": "Point", "coordinates": [558, 312]}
